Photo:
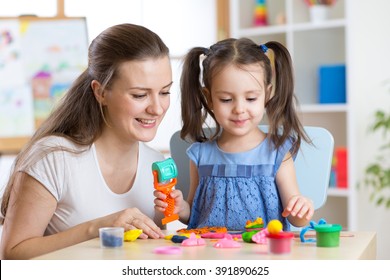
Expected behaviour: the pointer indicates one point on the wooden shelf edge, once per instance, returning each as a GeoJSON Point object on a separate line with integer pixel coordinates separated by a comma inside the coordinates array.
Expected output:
{"type": "Point", "coordinates": [12, 145]}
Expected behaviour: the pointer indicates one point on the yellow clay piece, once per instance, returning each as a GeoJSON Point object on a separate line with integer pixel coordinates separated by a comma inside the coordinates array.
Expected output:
{"type": "Point", "coordinates": [274, 226]}
{"type": "Point", "coordinates": [132, 234]}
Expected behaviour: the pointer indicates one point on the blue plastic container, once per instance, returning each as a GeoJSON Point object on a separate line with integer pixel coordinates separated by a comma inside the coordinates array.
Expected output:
{"type": "Point", "coordinates": [332, 84]}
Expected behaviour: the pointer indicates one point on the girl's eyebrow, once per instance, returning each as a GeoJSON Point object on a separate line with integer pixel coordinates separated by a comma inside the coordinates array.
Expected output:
{"type": "Point", "coordinates": [249, 91]}
{"type": "Point", "coordinates": [144, 88]}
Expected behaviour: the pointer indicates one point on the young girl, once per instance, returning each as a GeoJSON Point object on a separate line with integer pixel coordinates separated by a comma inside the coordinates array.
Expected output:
{"type": "Point", "coordinates": [240, 173]}
{"type": "Point", "coordinates": [87, 165]}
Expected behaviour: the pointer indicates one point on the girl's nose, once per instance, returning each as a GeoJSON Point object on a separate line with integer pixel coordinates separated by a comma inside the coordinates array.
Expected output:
{"type": "Point", "coordinates": [239, 108]}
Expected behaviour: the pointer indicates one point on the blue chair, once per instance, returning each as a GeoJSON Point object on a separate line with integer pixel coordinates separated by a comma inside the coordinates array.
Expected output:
{"type": "Point", "coordinates": [312, 164]}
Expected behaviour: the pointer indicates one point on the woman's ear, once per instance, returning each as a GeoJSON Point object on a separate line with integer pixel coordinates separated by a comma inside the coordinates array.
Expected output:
{"type": "Point", "coordinates": [98, 92]}
{"type": "Point", "coordinates": [207, 94]}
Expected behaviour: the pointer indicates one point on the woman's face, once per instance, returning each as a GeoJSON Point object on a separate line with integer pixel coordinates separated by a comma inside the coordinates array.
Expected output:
{"type": "Point", "coordinates": [138, 99]}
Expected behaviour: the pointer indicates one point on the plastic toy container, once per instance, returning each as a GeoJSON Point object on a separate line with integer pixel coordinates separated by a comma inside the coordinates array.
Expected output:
{"type": "Point", "coordinates": [328, 235]}
{"type": "Point", "coordinates": [111, 237]}
{"type": "Point", "coordinates": [280, 243]}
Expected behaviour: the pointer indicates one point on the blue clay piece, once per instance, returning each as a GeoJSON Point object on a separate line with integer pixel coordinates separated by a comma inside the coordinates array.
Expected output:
{"type": "Point", "coordinates": [110, 240]}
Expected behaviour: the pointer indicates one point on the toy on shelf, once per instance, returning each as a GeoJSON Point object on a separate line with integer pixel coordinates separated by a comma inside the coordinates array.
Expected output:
{"type": "Point", "coordinates": [260, 14]}
{"type": "Point", "coordinates": [165, 178]}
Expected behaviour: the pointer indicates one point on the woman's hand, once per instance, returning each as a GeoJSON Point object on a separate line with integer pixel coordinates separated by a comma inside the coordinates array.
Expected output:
{"type": "Point", "coordinates": [132, 218]}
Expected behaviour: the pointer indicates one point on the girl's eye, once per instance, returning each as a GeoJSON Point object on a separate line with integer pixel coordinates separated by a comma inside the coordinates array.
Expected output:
{"type": "Point", "coordinates": [251, 99]}
{"type": "Point", "coordinates": [225, 100]}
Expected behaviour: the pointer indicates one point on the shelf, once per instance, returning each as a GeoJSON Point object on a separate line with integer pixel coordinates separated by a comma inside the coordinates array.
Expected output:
{"type": "Point", "coordinates": [323, 108]}
{"type": "Point", "coordinates": [311, 45]}
{"type": "Point", "coordinates": [308, 26]}
{"type": "Point", "coordinates": [256, 31]}
{"type": "Point", "coordinates": [338, 192]}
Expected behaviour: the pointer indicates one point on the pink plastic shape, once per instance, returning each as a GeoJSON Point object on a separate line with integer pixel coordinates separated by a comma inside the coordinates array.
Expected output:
{"type": "Point", "coordinates": [193, 241]}
{"type": "Point", "coordinates": [260, 237]}
{"type": "Point", "coordinates": [213, 235]}
{"type": "Point", "coordinates": [167, 250]}
{"type": "Point", "coordinates": [227, 242]}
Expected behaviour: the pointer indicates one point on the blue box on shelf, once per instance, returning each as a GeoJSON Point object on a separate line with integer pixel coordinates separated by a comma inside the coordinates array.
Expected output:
{"type": "Point", "coordinates": [332, 85]}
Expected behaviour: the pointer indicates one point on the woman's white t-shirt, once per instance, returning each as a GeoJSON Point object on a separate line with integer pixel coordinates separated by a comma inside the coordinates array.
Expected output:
{"type": "Point", "coordinates": [76, 182]}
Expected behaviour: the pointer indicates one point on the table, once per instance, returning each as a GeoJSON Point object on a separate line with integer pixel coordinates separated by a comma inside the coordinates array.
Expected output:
{"type": "Point", "coordinates": [353, 245]}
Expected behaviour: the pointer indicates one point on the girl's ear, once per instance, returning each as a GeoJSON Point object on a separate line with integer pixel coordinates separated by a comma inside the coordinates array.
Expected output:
{"type": "Point", "coordinates": [270, 90]}
{"type": "Point", "coordinates": [207, 94]}
{"type": "Point", "coordinates": [98, 92]}
{"type": "Point", "coordinates": [269, 93]}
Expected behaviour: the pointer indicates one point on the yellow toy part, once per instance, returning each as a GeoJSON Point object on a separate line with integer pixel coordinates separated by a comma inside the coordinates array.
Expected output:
{"type": "Point", "coordinates": [257, 222]}
{"type": "Point", "coordinates": [274, 226]}
{"type": "Point", "coordinates": [132, 234]}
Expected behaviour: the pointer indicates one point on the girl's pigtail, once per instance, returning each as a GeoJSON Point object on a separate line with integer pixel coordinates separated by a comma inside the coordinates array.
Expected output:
{"type": "Point", "coordinates": [281, 107]}
{"type": "Point", "coordinates": [192, 98]}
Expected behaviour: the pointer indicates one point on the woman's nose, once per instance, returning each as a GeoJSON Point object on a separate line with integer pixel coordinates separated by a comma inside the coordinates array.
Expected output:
{"type": "Point", "coordinates": [155, 107]}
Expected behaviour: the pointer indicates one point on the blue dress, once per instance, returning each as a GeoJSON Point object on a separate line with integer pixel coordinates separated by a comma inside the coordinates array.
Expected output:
{"type": "Point", "coordinates": [236, 187]}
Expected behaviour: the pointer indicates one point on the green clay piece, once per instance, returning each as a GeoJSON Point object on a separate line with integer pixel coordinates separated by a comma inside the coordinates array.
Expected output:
{"type": "Point", "coordinates": [247, 236]}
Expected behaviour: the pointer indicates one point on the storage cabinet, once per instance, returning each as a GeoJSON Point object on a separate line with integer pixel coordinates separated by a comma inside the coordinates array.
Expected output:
{"type": "Point", "coordinates": [311, 44]}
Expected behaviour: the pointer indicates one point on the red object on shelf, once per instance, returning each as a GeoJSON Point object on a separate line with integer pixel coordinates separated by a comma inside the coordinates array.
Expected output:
{"type": "Point", "coordinates": [341, 167]}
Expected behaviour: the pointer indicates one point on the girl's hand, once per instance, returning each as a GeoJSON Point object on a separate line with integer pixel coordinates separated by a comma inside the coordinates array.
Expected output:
{"type": "Point", "coordinates": [300, 207]}
{"type": "Point", "coordinates": [161, 205]}
{"type": "Point", "coordinates": [132, 218]}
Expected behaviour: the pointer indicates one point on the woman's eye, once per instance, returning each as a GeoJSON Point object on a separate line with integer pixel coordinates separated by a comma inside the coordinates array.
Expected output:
{"type": "Point", "coordinates": [138, 96]}
{"type": "Point", "coordinates": [166, 93]}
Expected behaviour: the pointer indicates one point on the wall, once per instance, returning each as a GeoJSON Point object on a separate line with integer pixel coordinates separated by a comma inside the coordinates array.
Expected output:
{"type": "Point", "coordinates": [370, 67]}
{"type": "Point", "coordinates": [182, 24]}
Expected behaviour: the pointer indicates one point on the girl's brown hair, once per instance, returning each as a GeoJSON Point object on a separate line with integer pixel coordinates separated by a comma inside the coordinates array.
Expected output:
{"type": "Point", "coordinates": [280, 107]}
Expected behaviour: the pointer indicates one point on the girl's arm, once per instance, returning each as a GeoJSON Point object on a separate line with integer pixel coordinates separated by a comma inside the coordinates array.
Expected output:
{"type": "Point", "coordinates": [297, 208]}
{"type": "Point", "coordinates": [30, 210]}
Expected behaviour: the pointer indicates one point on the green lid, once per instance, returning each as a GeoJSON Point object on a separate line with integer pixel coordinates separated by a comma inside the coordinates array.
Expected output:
{"type": "Point", "coordinates": [327, 228]}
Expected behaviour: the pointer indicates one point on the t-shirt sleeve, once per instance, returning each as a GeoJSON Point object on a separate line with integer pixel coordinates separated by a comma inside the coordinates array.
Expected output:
{"type": "Point", "coordinates": [193, 152]}
{"type": "Point", "coordinates": [49, 170]}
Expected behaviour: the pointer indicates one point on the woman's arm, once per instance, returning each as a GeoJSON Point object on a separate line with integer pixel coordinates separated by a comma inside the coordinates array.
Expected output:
{"type": "Point", "coordinates": [297, 208]}
{"type": "Point", "coordinates": [30, 210]}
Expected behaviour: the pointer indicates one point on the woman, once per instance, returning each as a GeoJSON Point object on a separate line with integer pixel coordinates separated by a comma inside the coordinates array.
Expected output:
{"type": "Point", "coordinates": [86, 167]}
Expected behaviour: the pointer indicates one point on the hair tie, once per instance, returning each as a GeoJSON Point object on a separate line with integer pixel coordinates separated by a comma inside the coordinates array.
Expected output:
{"type": "Point", "coordinates": [264, 48]}
{"type": "Point", "coordinates": [206, 51]}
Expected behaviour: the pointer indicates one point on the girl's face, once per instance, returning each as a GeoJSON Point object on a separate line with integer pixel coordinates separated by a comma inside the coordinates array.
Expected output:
{"type": "Point", "coordinates": [138, 99]}
{"type": "Point", "coordinates": [238, 98]}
